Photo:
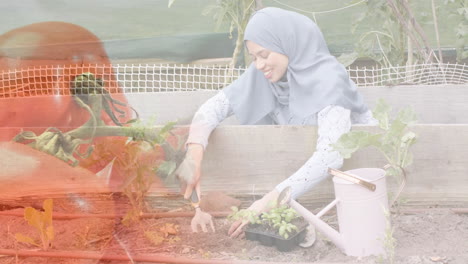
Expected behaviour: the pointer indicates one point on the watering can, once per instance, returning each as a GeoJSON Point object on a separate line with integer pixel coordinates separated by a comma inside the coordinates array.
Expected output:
{"type": "Point", "coordinates": [361, 202]}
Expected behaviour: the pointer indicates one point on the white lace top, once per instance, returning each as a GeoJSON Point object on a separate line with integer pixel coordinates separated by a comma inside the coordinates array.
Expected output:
{"type": "Point", "coordinates": [332, 122]}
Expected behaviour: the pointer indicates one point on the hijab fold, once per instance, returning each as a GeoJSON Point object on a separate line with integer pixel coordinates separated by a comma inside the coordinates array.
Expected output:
{"type": "Point", "coordinates": [314, 78]}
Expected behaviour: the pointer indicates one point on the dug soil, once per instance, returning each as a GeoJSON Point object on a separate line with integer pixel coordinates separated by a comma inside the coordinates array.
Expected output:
{"type": "Point", "coordinates": [423, 235]}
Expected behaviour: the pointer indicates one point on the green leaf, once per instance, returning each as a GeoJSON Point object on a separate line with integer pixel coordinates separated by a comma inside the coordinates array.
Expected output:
{"type": "Point", "coordinates": [393, 171]}
{"type": "Point", "coordinates": [407, 116]}
{"type": "Point", "coordinates": [394, 133]}
{"type": "Point", "coordinates": [282, 230]}
{"type": "Point", "coordinates": [166, 168]}
{"type": "Point", "coordinates": [381, 113]}
{"type": "Point", "coordinates": [348, 58]}
{"type": "Point", "coordinates": [407, 161]}
{"type": "Point", "coordinates": [352, 141]}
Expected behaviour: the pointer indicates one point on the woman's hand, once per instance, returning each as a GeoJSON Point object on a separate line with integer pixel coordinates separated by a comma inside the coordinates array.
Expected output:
{"type": "Point", "coordinates": [259, 206]}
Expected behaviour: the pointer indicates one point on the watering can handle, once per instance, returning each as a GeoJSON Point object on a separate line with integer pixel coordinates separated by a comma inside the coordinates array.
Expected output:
{"type": "Point", "coordinates": [352, 178]}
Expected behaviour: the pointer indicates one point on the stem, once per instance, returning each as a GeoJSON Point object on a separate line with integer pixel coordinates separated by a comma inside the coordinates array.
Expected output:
{"type": "Point", "coordinates": [239, 46]}
{"type": "Point", "coordinates": [436, 27]}
{"type": "Point", "coordinates": [409, 61]}
{"type": "Point", "coordinates": [411, 34]}
{"type": "Point", "coordinates": [402, 186]}
{"type": "Point", "coordinates": [416, 25]}
{"type": "Point", "coordinates": [86, 132]}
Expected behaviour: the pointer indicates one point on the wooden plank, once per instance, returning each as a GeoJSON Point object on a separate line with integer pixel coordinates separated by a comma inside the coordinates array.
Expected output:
{"type": "Point", "coordinates": [250, 160]}
{"type": "Point", "coordinates": [253, 159]}
{"type": "Point", "coordinates": [434, 104]}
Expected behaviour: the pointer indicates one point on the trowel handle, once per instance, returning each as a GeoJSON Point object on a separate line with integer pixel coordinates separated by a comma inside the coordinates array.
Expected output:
{"type": "Point", "coordinates": [194, 197]}
{"type": "Point", "coordinates": [352, 178]}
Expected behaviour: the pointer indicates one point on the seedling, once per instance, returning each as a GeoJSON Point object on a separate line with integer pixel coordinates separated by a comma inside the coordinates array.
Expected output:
{"type": "Point", "coordinates": [42, 221]}
{"type": "Point", "coordinates": [279, 218]}
{"type": "Point", "coordinates": [244, 214]}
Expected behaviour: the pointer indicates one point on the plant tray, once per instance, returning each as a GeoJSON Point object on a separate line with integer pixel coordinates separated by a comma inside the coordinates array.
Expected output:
{"type": "Point", "coordinates": [271, 238]}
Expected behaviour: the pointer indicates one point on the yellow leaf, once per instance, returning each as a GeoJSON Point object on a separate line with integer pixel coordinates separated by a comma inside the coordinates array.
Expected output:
{"type": "Point", "coordinates": [25, 239]}
{"type": "Point", "coordinates": [48, 205]}
{"type": "Point", "coordinates": [154, 237]}
{"type": "Point", "coordinates": [33, 217]}
{"type": "Point", "coordinates": [50, 233]}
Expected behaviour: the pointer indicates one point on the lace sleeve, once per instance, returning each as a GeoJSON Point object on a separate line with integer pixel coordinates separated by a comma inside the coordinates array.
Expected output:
{"type": "Point", "coordinates": [333, 121]}
{"type": "Point", "coordinates": [208, 117]}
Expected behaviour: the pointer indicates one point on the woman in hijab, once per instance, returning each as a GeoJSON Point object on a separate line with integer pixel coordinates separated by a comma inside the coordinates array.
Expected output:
{"type": "Point", "coordinates": [293, 80]}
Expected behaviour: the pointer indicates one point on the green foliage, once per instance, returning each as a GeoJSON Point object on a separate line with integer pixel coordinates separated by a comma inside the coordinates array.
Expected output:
{"type": "Point", "coordinates": [173, 158]}
{"type": "Point", "coordinates": [141, 166]}
{"type": "Point", "coordinates": [139, 178]}
{"type": "Point", "coordinates": [244, 214]}
{"type": "Point", "coordinates": [237, 14]}
{"type": "Point", "coordinates": [42, 222]}
{"type": "Point", "coordinates": [393, 142]}
{"type": "Point", "coordinates": [384, 42]}
{"type": "Point", "coordinates": [459, 10]}
{"type": "Point", "coordinates": [278, 217]}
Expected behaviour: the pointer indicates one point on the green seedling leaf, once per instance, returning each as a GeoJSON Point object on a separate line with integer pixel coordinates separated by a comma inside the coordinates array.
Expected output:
{"type": "Point", "coordinates": [282, 230]}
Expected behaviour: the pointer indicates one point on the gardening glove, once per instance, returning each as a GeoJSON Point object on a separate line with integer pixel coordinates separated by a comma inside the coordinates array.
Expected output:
{"type": "Point", "coordinates": [259, 206]}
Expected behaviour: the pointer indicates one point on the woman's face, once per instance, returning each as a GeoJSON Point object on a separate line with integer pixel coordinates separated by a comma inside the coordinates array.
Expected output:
{"type": "Point", "coordinates": [272, 64]}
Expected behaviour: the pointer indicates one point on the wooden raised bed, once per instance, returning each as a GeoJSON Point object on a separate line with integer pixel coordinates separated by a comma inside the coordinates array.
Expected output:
{"type": "Point", "coordinates": [250, 160]}
{"type": "Point", "coordinates": [253, 159]}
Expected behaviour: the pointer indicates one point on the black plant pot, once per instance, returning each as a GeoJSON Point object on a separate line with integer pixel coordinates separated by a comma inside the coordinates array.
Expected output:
{"type": "Point", "coordinates": [269, 237]}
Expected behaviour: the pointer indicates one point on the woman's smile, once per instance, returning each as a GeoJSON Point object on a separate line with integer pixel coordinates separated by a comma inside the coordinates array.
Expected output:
{"type": "Point", "coordinates": [272, 64]}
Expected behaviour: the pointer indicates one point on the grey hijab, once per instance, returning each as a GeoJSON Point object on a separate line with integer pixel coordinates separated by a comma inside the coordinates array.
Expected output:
{"type": "Point", "coordinates": [314, 78]}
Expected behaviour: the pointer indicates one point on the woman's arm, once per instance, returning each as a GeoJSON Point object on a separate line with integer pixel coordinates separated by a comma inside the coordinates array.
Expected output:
{"type": "Point", "coordinates": [208, 117]}
{"type": "Point", "coordinates": [333, 121]}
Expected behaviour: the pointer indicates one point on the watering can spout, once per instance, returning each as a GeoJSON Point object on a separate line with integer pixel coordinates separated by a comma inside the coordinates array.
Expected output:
{"type": "Point", "coordinates": [320, 225]}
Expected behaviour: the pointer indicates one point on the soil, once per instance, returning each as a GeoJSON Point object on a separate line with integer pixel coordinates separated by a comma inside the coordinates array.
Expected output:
{"type": "Point", "coordinates": [425, 235]}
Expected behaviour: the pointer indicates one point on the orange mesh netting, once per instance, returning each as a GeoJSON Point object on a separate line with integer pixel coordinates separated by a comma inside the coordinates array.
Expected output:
{"type": "Point", "coordinates": [37, 64]}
